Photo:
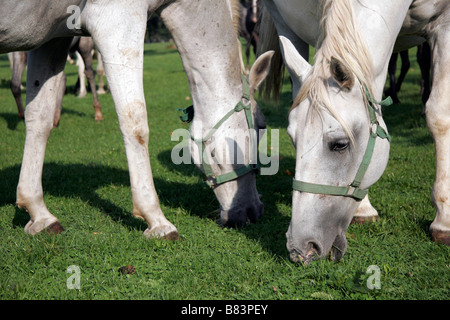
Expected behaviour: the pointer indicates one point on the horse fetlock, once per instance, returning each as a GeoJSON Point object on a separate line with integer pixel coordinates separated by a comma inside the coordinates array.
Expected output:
{"type": "Point", "coordinates": [98, 111]}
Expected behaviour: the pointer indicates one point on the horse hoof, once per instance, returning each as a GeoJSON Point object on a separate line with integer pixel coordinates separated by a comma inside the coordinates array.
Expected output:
{"type": "Point", "coordinates": [54, 228]}
{"type": "Point", "coordinates": [161, 233]}
{"type": "Point", "coordinates": [364, 219]}
{"type": "Point", "coordinates": [172, 236]}
{"type": "Point", "coordinates": [50, 225]}
{"type": "Point", "coordinates": [441, 237]}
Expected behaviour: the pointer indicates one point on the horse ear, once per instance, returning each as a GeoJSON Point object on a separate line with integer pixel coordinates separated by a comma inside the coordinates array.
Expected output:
{"type": "Point", "coordinates": [297, 66]}
{"type": "Point", "coordinates": [260, 69]}
{"type": "Point", "coordinates": [341, 74]}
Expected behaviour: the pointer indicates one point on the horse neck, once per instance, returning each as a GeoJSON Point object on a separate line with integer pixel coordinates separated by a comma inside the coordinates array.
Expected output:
{"type": "Point", "coordinates": [380, 23]}
{"type": "Point", "coordinates": [208, 45]}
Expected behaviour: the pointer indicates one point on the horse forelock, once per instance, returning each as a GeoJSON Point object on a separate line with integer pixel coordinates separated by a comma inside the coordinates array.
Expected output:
{"type": "Point", "coordinates": [340, 38]}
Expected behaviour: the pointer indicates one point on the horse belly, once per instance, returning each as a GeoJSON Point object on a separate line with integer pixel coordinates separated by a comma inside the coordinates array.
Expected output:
{"type": "Point", "coordinates": [302, 16]}
{"type": "Point", "coordinates": [26, 26]}
{"type": "Point", "coordinates": [422, 14]}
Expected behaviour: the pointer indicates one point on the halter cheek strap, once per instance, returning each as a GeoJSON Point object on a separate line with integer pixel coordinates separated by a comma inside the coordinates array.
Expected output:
{"type": "Point", "coordinates": [353, 190]}
{"type": "Point", "coordinates": [213, 180]}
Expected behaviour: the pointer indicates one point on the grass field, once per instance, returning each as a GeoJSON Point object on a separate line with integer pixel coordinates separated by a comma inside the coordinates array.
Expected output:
{"type": "Point", "coordinates": [86, 185]}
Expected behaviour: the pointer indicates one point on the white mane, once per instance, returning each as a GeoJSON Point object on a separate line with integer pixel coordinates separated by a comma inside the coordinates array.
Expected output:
{"type": "Point", "coordinates": [340, 38]}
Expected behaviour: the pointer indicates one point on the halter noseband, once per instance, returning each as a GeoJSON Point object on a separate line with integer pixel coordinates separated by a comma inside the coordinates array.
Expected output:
{"type": "Point", "coordinates": [353, 190]}
{"type": "Point", "coordinates": [213, 180]}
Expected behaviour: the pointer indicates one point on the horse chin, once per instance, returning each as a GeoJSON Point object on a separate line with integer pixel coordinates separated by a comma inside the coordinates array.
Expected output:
{"type": "Point", "coordinates": [338, 248]}
{"type": "Point", "coordinates": [315, 251]}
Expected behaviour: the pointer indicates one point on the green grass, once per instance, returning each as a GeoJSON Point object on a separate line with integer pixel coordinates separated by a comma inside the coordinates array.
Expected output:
{"type": "Point", "coordinates": [86, 185]}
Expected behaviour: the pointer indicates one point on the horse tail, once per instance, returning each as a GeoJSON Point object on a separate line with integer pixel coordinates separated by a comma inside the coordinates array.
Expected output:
{"type": "Point", "coordinates": [268, 40]}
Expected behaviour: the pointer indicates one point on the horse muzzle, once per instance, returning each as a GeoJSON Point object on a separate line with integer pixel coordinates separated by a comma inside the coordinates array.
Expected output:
{"type": "Point", "coordinates": [241, 216]}
{"type": "Point", "coordinates": [313, 250]}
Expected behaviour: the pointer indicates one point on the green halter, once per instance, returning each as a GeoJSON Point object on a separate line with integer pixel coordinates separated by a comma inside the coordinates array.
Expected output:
{"type": "Point", "coordinates": [353, 190]}
{"type": "Point", "coordinates": [213, 180]}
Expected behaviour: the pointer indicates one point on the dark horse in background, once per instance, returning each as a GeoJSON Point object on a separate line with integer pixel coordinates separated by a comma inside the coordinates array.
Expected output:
{"type": "Point", "coordinates": [248, 26]}
{"type": "Point", "coordinates": [424, 61]}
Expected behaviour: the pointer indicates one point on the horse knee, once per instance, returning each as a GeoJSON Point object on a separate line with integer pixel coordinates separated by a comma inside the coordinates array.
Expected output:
{"type": "Point", "coordinates": [133, 122]}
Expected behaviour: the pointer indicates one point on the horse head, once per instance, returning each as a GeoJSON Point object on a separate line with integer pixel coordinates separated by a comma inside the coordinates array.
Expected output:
{"type": "Point", "coordinates": [335, 129]}
{"type": "Point", "coordinates": [227, 153]}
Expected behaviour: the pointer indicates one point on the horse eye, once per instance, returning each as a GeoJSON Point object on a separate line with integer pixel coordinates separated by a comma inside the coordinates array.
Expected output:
{"type": "Point", "coordinates": [339, 146]}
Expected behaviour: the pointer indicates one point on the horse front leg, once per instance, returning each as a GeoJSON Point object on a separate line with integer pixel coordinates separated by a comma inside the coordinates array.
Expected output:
{"type": "Point", "coordinates": [438, 121]}
{"type": "Point", "coordinates": [123, 63]}
{"type": "Point", "coordinates": [45, 77]}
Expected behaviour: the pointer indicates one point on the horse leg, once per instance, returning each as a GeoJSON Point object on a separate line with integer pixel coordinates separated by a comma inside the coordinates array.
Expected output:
{"type": "Point", "coordinates": [100, 74]}
{"type": "Point", "coordinates": [81, 75]}
{"type": "Point", "coordinates": [424, 60]}
{"type": "Point", "coordinates": [123, 54]}
{"type": "Point", "coordinates": [438, 121]}
{"type": "Point", "coordinates": [365, 212]}
{"type": "Point", "coordinates": [44, 79]}
{"type": "Point", "coordinates": [59, 98]}
{"type": "Point", "coordinates": [85, 47]}
{"type": "Point", "coordinates": [392, 67]}
{"type": "Point", "coordinates": [19, 61]}
{"type": "Point", "coordinates": [403, 70]}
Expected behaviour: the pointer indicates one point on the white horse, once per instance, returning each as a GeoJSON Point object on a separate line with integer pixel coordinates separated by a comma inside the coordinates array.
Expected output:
{"type": "Point", "coordinates": [207, 42]}
{"type": "Point", "coordinates": [336, 108]}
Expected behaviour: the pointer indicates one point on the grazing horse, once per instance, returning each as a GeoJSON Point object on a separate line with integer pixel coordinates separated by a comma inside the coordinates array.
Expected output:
{"type": "Point", "coordinates": [336, 115]}
{"type": "Point", "coordinates": [206, 38]}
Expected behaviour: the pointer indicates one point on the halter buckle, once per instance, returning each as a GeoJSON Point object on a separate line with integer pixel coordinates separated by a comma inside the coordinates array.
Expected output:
{"type": "Point", "coordinates": [211, 181]}
{"type": "Point", "coordinates": [351, 190]}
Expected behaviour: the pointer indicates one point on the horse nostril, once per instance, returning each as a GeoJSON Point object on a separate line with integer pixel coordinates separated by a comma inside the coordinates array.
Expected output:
{"type": "Point", "coordinates": [314, 250]}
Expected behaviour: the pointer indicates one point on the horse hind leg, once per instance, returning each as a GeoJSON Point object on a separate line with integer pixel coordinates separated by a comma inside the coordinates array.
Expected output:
{"type": "Point", "coordinates": [100, 74]}
{"type": "Point", "coordinates": [85, 48]}
{"type": "Point", "coordinates": [438, 121]}
{"type": "Point", "coordinates": [44, 78]}
{"type": "Point", "coordinates": [19, 61]}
